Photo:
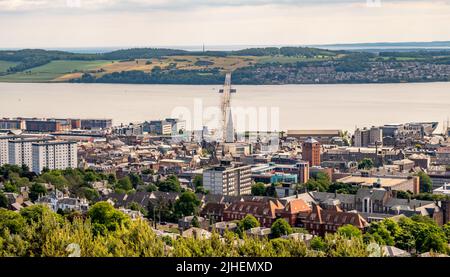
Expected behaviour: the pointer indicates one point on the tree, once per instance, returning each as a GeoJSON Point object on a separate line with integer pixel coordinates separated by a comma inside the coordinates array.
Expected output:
{"type": "Point", "coordinates": [195, 223]}
{"type": "Point", "coordinates": [112, 179]}
{"type": "Point", "coordinates": [3, 201]}
{"type": "Point", "coordinates": [187, 204]}
{"type": "Point", "coordinates": [280, 227]}
{"type": "Point", "coordinates": [124, 184]}
{"type": "Point", "coordinates": [36, 190]}
{"type": "Point", "coordinates": [271, 191]}
{"type": "Point", "coordinates": [105, 218]}
{"type": "Point", "coordinates": [248, 222]}
{"type": "Point", "coordinates": [259, 189]}
{"type": "Point", "coordinates": [170, 184]}
{"type": "Point", "coordinates": [135, 180]}
{"type": "Point", "coordinates": [12, 221]}
{"type": "Point", "coordinates": [426, 184]}
{"type": "Point", "coordinates": [366, 163]}
{"type": "Point", "coordinates": [446, 229]}
{"type": "Point", "coordinates": [349, 231]}
{"type": "Point", "coordinates": [318, 244]}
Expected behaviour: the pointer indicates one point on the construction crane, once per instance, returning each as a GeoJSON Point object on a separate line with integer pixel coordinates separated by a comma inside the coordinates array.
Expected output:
{"type": "Point", "coordinates": [226, 109]}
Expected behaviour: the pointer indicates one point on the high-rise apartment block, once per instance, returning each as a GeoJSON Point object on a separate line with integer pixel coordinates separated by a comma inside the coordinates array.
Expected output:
{"type": "Point", "coordinates": [228, 180]}
{"type": "Point", "coordinates": [54, 155]}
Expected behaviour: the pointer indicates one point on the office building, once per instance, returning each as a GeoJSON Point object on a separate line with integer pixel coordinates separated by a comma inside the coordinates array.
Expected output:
{"type": "Point", "coordinates": [228, 180]}
{"type": "Point", "coordinates": [311, 152]}
{"type": "Point", "coordinates": [95, 124]}
{"type": "Point", "coordinates": [53, 155]}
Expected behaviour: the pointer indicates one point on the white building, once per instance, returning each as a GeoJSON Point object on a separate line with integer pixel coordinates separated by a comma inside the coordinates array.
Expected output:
{"type": "Point", "coordinates": [4, 159]}
{"type": "Point", "coordinates": [20, 150]}
{"type": "Point", "coordinates": [54, 155]}
{"type": "Point", "coordinates": [445, 189]}
{"type": "Point", "coordinates": [232, 181]}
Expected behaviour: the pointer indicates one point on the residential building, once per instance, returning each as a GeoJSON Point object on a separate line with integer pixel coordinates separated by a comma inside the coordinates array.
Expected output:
{"type": "Point", "coordinates": [228, 180]}
{"type": "Point", "coordinates": [20, 150]}
{"type": "Point", "coordinates": [262, 208]}
{"type": "Point", "coordinates": [54, 155]}
{"type": "Point", "coordinates": [321, 221]}
{"type": "Point", "coordinates": [311, 151]}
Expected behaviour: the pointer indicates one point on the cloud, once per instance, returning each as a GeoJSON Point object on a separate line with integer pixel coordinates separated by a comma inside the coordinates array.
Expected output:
{"type": "Point", "coordinates": [146, 5]}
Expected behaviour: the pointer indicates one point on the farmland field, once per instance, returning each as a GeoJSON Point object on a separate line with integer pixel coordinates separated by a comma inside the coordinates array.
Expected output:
{"type": "Point", "coordinates": [4, 65]}
{"type": "Point", "coordinates": [53, 70]}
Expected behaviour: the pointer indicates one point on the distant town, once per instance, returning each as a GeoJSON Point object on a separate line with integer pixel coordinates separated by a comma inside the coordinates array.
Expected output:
{"type": "Point", "coordinates": [256, 66]}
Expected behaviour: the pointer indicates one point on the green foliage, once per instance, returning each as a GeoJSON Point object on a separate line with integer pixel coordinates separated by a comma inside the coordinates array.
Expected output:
{"type": "Point", "coordinates": [12, 221]}
{"type": "Point", "coordinates": [105, 218]}
{"type": "Point", "coordinates": [171, 184]}
{"type": "Point", "coordinates": [124, 184]}
{"type": "Point", "coordinates": [195, 222]}
{"type": "Point", "coordinates": [280, 228]}
{"type": "Point", "coordinates": [318, 244]}
{"type": "Point", "coordinates": [258, 189]}
{"type": "Point", "coordinates": [248, 222]}
{"type": "Point", "coordinates": [366, 163]}
{"type": "Point", "coordinates": [320, 181]}
{"type": "Point", "coordinates": [187, 204]}
{"type": "Point", "coordinates": [349, 231]}
{"type": "Point", "coordinates": [342, 188]}
{"type": "Point", "coordinates": [36, 190]}
{"type": "Point", "coordinates": [3, 200]}
{"type": "Point", "coordinates": [426, 184]}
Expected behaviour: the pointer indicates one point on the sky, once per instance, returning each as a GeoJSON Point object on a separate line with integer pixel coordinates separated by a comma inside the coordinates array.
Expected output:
{"type": "Point", "coordinates": [138, 23]}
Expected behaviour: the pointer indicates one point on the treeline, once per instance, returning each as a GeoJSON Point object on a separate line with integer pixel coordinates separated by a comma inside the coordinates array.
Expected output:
{"type": "Point", "coordinates": [284, 51]}
{"type": "Point", "coordinates": [175, 76]}
{"type": "Point", "coordinates": [36, 231]}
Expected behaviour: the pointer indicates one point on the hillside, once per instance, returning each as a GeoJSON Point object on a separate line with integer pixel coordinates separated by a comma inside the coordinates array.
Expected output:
{"type": "Point", "coordinates": [271, 65]}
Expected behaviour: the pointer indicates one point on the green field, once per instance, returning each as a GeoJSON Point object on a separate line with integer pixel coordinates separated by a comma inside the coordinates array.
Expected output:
{"type": "Point", "coordinates": [4, 65]}
{"type": "Point", "coordinates": [53, 70]}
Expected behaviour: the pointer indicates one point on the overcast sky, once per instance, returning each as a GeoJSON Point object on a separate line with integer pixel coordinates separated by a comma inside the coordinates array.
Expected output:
{"type": "Point", "coordinates": [100, 23]}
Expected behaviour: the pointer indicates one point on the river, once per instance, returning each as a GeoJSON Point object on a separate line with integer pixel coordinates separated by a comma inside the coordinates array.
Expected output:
{"type": "Point", "coordinates": [299, 106]}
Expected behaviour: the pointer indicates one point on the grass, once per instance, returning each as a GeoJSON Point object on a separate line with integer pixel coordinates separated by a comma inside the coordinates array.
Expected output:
{"type": "Point", "coordinates": [4, 65]}
{"type": "Point", "coordinates": [54, 70]}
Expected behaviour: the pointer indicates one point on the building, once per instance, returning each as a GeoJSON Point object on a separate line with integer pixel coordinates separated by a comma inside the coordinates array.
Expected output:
{"type": "Point", "coordinates": [303, 172]}
{"type": "Point", "coordinates": [323, 136]}
{"type": "Point", "coordinates": [95, 124]}
{"type": "Point", "coordinates": [420, 160]}
{"type": "Point", "coordinates": [399, 183]}
{"type": "Point", "coordinates": [46, 126]}
{"type": "Point", "coordinates": [445, 190]}
{"type": "Point", "coordinates": [228, 180]}
{"type": "Point", "coordinates": [321, 221]}
{"type": "Point", "coordinates": [53, 155]}
{"type": "Point", "coordinates": [262, 208]}
{"type": "Point", "coordinates": [167, 127]}
{"type": "Point", "coordinates": [12, 124]}
{"type": "Point", "coordinates": [361, 138]}
{"type": "Point", "coordinates": [20, 150]}
{"type": "Point", "coordinates": [368, 137]}
{"type": "Point", "coordinates": [311, 152]}
{"type": "Point", "coordinates": [294, 212]}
